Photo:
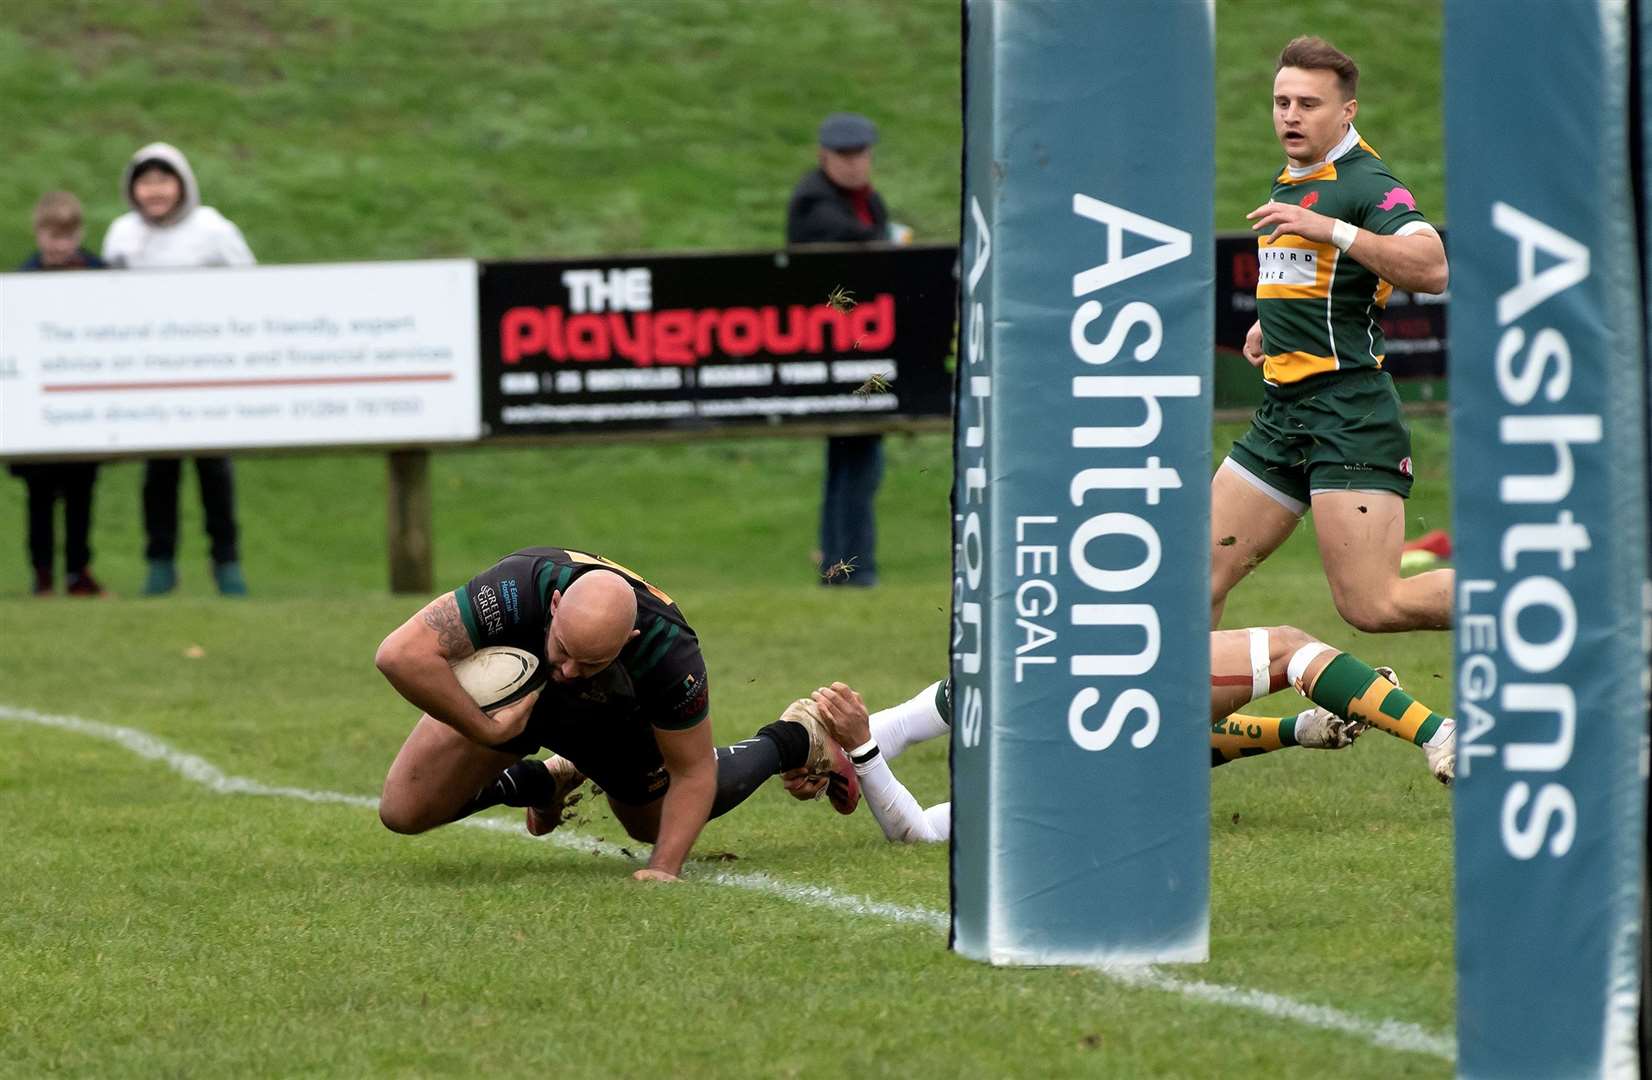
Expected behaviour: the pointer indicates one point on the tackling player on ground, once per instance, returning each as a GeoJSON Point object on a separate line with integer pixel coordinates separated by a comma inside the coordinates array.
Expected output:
{"type": "Point", "coordinates": [1337, 235]}
{"type": "Point", "coordinates": [626, 704]}
{"type": "Point", "coordinates": [1249, 664]}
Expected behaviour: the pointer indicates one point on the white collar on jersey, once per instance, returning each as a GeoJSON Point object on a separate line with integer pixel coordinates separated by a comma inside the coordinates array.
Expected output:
{"type": "Point", "coordinates": [1349, 141]}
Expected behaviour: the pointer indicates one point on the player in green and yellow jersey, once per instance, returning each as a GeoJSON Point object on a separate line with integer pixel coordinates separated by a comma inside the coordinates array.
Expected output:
{"type": "Point", "coordinates": [1339, 233]}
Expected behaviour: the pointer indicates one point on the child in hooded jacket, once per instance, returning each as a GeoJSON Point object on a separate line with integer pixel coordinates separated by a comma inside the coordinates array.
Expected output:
{"type": "Point", "coordinates": [169, 228]}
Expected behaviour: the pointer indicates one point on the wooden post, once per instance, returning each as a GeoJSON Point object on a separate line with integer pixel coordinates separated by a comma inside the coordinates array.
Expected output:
{"type": "Point", "coordinates": [409, 531]}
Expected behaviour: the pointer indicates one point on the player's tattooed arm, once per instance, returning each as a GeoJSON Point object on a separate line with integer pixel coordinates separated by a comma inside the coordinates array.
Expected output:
{"type": "Point", "coordinates": [416, 659]}
{"type": "Point", "coordinates": [441, 615]}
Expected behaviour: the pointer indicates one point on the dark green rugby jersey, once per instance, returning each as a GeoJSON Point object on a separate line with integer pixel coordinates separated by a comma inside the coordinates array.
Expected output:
{"type": "Point", "coordinates": [1320, 309]}
{"type": "Point", "coordinates": [659, 673]}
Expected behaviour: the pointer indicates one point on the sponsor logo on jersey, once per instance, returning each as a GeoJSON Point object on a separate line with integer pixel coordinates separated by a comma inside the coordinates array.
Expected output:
{"type": "Point", "coordinates": [487, 606]}
{"type": "Point", "coordinates": [1397, 196]}
{"type": "Point", "coordinates": [512, 599]}
{"type": "Point", "coordinates": [1287, 266]}
{"type": "Point", "coordinates": [695, 696]}
{"type": "Point", "coordinates": [1309, 199]}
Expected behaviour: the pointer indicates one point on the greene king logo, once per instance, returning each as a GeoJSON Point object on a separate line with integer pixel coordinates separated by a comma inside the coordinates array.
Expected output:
{"type": "Point", "coordinates": [487, 605]}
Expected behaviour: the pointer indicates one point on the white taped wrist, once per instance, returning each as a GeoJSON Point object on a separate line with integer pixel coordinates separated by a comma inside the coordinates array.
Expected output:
{"type": "Point", "coordinates": [864, 756]}
{"type": "Point", "coordinates": [1343, 234]}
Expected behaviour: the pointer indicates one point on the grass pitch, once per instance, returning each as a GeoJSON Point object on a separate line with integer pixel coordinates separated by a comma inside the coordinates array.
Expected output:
{"type": "Point", "coordinates": [156, 925]}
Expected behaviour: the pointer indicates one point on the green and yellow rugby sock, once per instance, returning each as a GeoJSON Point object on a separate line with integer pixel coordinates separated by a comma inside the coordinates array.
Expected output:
{"type": "Point", "coordinates": [1353, 690]}
{"type": "Point", "coordinates": [1241, 735]}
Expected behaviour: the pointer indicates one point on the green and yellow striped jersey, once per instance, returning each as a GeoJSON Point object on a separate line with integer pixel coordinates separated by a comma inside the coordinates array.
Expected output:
{"type": "Point", "coordinates": [1320, 309]}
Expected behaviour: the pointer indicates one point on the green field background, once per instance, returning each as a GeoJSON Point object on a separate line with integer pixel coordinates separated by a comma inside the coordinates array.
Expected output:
{"type": "Point", "coordinates": [153, 927]}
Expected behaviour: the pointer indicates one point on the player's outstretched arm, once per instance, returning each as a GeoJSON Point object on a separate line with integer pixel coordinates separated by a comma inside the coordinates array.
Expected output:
{"type": "Point", "coordinates": [897, 812]}
{"type": "Point", "coordinates": [691, 760]}
{"type": "Point", "coordinates": [417, 660]}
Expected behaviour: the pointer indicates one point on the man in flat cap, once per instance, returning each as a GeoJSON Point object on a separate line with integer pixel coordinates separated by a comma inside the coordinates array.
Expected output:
{"type": "Point", "coordinates": [836, 204]}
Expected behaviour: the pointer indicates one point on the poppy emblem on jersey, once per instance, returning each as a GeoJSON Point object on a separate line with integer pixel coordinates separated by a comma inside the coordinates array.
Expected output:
{"type": "Point", "coordinates": [1309, 199]}
{"type": "Point", "coordinates": [1397, 197]}
{"type": "Point", "coordinates": [1405, 466]}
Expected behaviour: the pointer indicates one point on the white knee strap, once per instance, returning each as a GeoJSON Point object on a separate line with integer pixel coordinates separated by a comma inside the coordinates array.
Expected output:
{"type": "Point", "coordinates": [1259, 680]}
{"type": "Point", "coordinates": [1300, 661]}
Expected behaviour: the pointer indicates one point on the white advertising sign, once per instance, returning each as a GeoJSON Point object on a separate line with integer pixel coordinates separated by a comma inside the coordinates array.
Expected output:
{"type": "Point", "coordinates": [268, 356]}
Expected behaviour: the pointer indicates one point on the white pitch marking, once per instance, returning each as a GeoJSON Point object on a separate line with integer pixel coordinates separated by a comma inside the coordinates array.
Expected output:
{"type": "Point", "coordinates": [1390, 1034]}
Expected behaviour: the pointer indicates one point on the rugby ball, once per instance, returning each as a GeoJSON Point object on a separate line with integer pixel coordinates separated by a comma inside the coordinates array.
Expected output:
{"type": "Point", "coordinates": [498, 675]}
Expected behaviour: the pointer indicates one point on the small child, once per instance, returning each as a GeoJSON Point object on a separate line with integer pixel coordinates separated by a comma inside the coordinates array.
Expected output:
{"type": "Point", "coordinates": [168, 227]}
{"type": "Point", "coordinates": [58, 230]}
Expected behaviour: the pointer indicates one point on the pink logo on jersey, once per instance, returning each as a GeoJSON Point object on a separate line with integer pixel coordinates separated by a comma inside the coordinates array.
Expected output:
{"type": "Point", "coordinates": [1309, 199]}
{"type": "Point", "coordinates": [1397, 197]}
{"type": "Point", "coordinates": [1405, 466]}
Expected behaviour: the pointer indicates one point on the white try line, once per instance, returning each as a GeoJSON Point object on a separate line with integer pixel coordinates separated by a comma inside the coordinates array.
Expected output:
{"type": "Point", "coordinates": [1389, 1034]}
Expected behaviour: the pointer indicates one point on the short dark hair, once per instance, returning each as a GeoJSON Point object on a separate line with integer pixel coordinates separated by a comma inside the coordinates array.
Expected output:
{"type": "Point", "coordinates": [1317, 54]}
{"type": "Point", "coordinates": [155, 164]}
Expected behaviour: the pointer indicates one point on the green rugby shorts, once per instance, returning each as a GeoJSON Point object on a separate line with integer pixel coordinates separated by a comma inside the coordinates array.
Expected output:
{"type": "Point", "coordinates": [1335, 432]}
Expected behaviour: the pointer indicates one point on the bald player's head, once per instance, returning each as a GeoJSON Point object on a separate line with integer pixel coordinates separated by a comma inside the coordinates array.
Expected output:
{"type": "Point", "coordinates": [590, 623]}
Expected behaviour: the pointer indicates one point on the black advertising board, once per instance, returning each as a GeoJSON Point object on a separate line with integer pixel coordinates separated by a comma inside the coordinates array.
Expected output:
{"type": "Point", "coordinates": [854, 338]}
{"type": "Point", "coordinates": [1413, 323]}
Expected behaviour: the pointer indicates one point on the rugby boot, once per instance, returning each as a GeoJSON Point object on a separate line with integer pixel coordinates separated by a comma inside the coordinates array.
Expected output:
{"type": "Point", "coordinates": [1320, 729]}
{"type": "Point", "coordinates": [843, 786]}
{"type": "Point", "coordinates": [826, 758]}
{"type": "Point", "coordinates": [1442, 755]}
{"type": "Point", "coordinates": [546, 816]}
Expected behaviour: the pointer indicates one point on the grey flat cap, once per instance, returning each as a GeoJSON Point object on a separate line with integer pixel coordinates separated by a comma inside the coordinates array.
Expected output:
{"type": "Point", "coordinates": [847, 131]}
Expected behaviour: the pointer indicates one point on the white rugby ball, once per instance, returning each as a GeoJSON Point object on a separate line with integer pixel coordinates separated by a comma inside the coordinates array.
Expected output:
{"type": "Point", "coordinates": [498, 675]}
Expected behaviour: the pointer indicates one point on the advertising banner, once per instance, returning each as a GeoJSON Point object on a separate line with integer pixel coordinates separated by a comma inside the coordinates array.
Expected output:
{"type": "Point", "coordinates": [852, 337]}
{"type": "Point", "coordinates": [1081, 532]}
{"type": "Point", "coordinates": [1550, 491]}
{"type": "Point", "coordinates": [177, 360]}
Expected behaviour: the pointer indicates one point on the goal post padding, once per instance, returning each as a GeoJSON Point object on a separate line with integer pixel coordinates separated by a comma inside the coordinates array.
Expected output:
{"type": "Point", "coordinates": [1550, 492]}
{"type": "Point", "coordinates": [1080, 644]}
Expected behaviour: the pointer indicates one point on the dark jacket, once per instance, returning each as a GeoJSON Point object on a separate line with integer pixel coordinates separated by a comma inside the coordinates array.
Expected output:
{"type": "Point", "coordinates": [821, 213]}
{"type": "Point", "coordinates": [88, 261]}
